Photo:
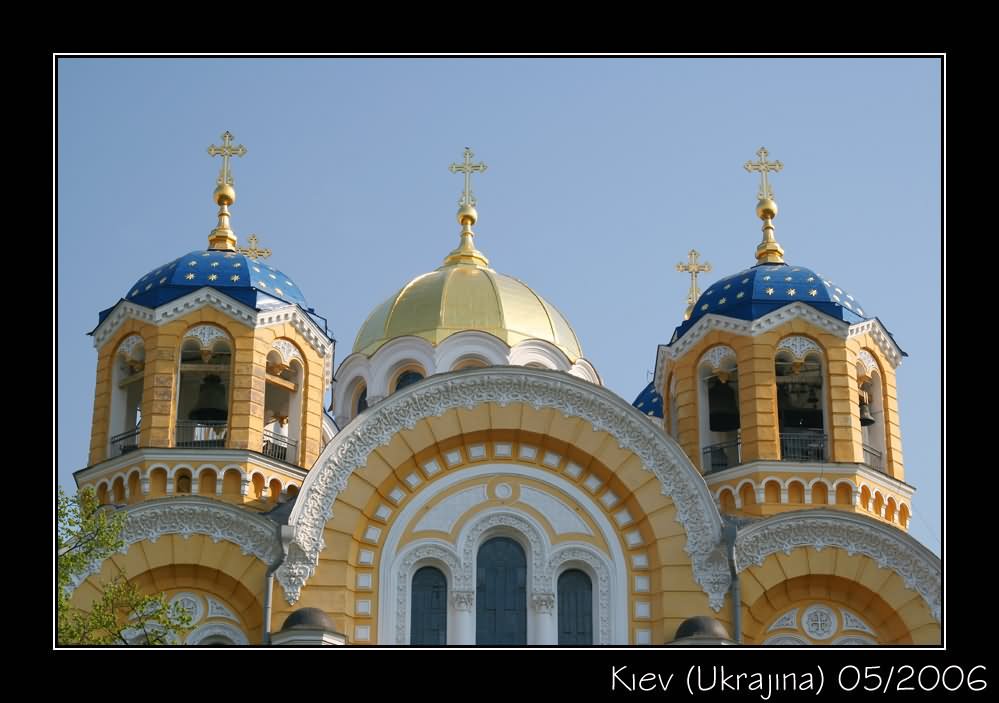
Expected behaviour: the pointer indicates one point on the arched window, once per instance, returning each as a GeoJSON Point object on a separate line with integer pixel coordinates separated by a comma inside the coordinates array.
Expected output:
{"type": "Point", "coordinates": [203, 388]}
{"type": "Point", "coordinates": [872, 415]}
{"type": "Point", "coordinates": [428, 624]}
{"type": "Point", "coordinates": [361, 404]}
{"type": "Point", "coordinates": [501, 593]}
{"type": "Point", "coordinates": [126, 396]}
{"type": "Point", "coordinates": [407, 378]}
{"type": "Point", "coordinates": [575, 608]}
{"type": "Point", "coordinates": [283, 402]}
{"type": "Point", "coordinates": [718, 400]}
{"type": "Point", "coordinates": [801, 419]}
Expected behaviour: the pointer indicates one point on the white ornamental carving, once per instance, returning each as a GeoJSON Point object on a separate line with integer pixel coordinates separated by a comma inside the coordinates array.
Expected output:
{"type": "Point", "coordinates": [819, 622]}
{"type": "Point", "coordinates": [854, 641]}
{"type": "Point", "coordinates": [853, 622]}
{"type": "Point", "coordinates": [206, 335]}
{"type": "Point", "coordinates": [217, 629]}
{"type": "Point", "coordinates": [798, 346]}
{"type": "Point", "coordinates": [572, 397]}
{"type": "Point", "coordinates": [463, 600]}
{"type": "Point", "coordinates": [466, 580]}
{"type": "Point", "coordinates": [716, 355]}
{"type": "Point", "coordinates": [288, 351]}
{"type": "Point", "coordinates": [425, 552]}
{"type": "Point", "coordinates": [867, 360]}
{"type": "Point", "coordinates": [560, 516]}
{"type": "Point", "coordinates": [543, 602]}
{"type": "Point", "coordinates": [191, 603]}
{"type": "Point", "coordinates": [577, 554]}
{"type": "Point", "coordinates": [786, 641]}
{"type": "Point", "coordinates": [445, 514]}
{"type": "Point", "coordinates": [217, 609]}
{"type": "Point", "coordinates": [888, 546]}
{"type": "Point", "coordinates": [128, 345]}
{"type": "Point", "coordinates": [787, 621]}
{"type": "Point", "coordinates": [254, 534]}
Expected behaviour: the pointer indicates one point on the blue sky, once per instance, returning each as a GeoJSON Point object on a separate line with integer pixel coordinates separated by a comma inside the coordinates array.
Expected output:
{"type": "Point", "coordinates": [602, 174]}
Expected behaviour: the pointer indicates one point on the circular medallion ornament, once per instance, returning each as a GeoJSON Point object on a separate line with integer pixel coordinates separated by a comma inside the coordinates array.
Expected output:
{"type": "Point", "coordinates": [503, 491]}
{"type": "Point", "coordinates": [819, 622]}
{"type": "Point", "coordinates": [191, 603]}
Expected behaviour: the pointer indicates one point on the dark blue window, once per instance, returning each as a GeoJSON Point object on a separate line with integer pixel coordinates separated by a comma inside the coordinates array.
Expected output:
{"type": "Point", "coordinates": [362, 402]}
{"type": "Point", "coordinates": [408, 378]}
{"type": "Point", "coordinates": [575, 608]}
{"type": "Point", "coordinates": [428, 625]}
{"type": "Point", "coordinates": [501, 593]}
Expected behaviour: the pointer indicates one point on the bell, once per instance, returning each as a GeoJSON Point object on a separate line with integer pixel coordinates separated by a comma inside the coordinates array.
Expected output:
{"type": "Point", "coordinates": [724, 411]}
{"type": "Point", "coordinates": [866, 419]}
{"type": "Point", "coordinates": [211, 405]}
{"type": "Point", "coordinates": [812, 398]}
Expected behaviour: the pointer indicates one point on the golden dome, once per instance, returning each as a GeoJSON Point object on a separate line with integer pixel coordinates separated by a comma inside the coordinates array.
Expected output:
{"type": "Point", "coordinates": [464, 294]}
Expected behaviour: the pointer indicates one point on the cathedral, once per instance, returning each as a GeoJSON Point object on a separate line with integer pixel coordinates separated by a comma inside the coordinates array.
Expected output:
{"type": "Point", "coordinates": [472, 482]}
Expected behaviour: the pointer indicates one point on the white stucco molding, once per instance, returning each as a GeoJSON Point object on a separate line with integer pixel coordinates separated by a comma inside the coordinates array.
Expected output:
{"type": "Point", "coordinates": [795, 311]}
{"type": "Point", "coordinates": [891, 548]}
{"type": "Point", "coordinates": [573, 397]}
{"type": "Point", "coordinates": [211, 298]}
{"type": "Point", "coordinates": [254, 534]}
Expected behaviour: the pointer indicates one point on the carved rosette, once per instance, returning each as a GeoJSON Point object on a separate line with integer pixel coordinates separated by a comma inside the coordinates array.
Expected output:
{"type": "Point", "coordinates": [570, 396]}
{"type": "Point", "coordinates": [888, 546]}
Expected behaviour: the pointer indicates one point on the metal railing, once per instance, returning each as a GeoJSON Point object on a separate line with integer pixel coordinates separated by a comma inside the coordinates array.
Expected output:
{"type": "Point", "coordinates": [204, 435]}
{"type": "Point", "coordinates": [721, 456]}
{"type": "Point", "coordinates": [803, 446]}
{"type": "Point", "coordinates": [125, 442]}
{"type": "Point", "coordinates": [872, 458]}
{"type": "Point", "coordinates": [278, 446]}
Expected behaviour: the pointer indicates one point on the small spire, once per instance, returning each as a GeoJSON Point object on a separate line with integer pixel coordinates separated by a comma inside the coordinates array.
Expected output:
{"type": "Point", "coordinates": [768, 251]}
{"type": "Point", "coordinates": [693, 268]}
{"type": "Point", "coordinates": [466, 253]}
{"type": "Point", "coordinates": [222, 237]}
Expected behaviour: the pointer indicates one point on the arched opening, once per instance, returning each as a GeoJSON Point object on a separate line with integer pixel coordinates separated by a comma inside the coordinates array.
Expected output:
{"type": "Point", "coordinates": [727, 500]}
{"type": "Point", "coordinates": [428, 622]}
{"type": "Point", "coordinates": [501, 593]}
{"type": "Point", "coordinates": [890, 509]}
{"type": "Point", "coordinates": [844, 494]}
{"type": "Point", "coordinates": [407, 378]}
{"type": "Point", "coordinates": [134, 486]}
{"type": "Point", "coordinates": [292, 490]}
{"type": "Point", "coordinates": [258, 486]}
{"type": "Point", "coordinates": [796, 493]}
{"type": "Point", "coordinates": [469, 362]}
{"type": "Point", "coordinates": [157, 483]}
{"type": "Point", "coordinates": [232, 482]}
{"type": "Point", "coordinates": [203, 389]}
{"type": "Point", "coordinates": [771, 492]}
{"type": "Point", "coordinates": [673, 421]}
{"type": "Point", "coordinates": [103, 497]}
{"type": "Point", "coordinates": [360, 400]}
{"type": "Point", "coordinates": [879, 504]}
{"type": "Point", "coordinates": [275, 490]}
{"type": "Point", "coordinates": [872, 418]}
{"type": "Point", "coordinates": [820, 494]}
{"type": "Point", "coordinates": [865, 498]}
{"type": "Point", "coordinates": [283, 406]}
{"type": "Point", "coordinates": [182, 481]}
{"type": "Point", "coordinates": [575, 608]}
{"type": "Point", "coordinates": [800, 406]}
{"type": "Point", "coordinates": [903, 515]}
{"type": "Point", "coordinates": [206, 483]}
{"type": "Point", "coordinates": [747, 494]}
{"type": "Point", "coordinates": [127, 376]}
{"type": "Point", "coordinates": [718, 396]}
{"type": "Point", "coordinates": [118, 491]}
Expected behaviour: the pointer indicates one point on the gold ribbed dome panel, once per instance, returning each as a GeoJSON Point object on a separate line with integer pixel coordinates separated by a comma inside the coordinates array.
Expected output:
{"type": "Point", "coordinates": [460, 297]}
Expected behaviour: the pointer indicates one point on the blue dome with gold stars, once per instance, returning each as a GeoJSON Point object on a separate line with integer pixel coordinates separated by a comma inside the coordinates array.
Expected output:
{"type": "Point", "coordinates": [247, 280]}
{"type": "Point", "coordinates": [649, 401]}
{"type": "Point", "coordinates": [757, 291]}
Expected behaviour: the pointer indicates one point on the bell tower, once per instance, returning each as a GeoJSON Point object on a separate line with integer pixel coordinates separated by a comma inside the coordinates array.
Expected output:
{"type": "Point", "coordinates": [211, 373]}
{"type": "Point", "coordinates": [780, 386]}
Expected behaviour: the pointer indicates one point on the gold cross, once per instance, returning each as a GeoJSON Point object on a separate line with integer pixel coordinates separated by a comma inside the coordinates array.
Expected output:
{"type": "Point", "coordinates": [763, 166]}
{"type": "Point", "coordinates": [252, 251]}
{"type": "Point", "coordinates": [225, 151]}
{"type": "Point", "coordinates": [693, 268]}
{"type": "Point", "coordinates": [467, 168]}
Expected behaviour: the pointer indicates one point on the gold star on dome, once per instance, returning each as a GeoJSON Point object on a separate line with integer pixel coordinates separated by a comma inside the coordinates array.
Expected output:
{"type": "Point", "coordinates": [215, 264]}
{"type": "Point", "coordinates": [787, 278]}
{"type": "Point", "coordinates": [769, 291]}
{"type": "Point", "coordinates": [745, 281]}
{"type": "Point", "coordinates": [163, 280]}
{"type": "Point", "coordinates": [795, 269]}
{"type": "Point", "coordinates": [289, 283]}
{"type": "Point", "coordinates": [212, 276]}
{"type": "Point", "coordinates": [739, 294]}
{"type": "Point", "coordinates": [727, 286]}
{"type": "Point", "coordinates": [189, 276]}
{"type": "Point", "coordinates": [229, 255]}
{"type": "Point", "coordinates": [207, 254]}
{"type": "Point", "coordinates": [766, 278]}
{"type": "Point", "coordinates": [236, 265]}
{"type": "Point", "coordinates": [148, 286]}
{"type": "Point", "coordinates": [810, 279]}
{"type": "Point", "coordinates": [722, 301]}
{"type": "Point", "coordinates": [256, 269]}
{"type": "Point", "coordinates": [859, 311]}
{"type": "Point", "coordinates": [272, 276]}
{"type": "Point", "coordinates": [234, 277]}
{"type": "Point", "coordinates": [192, 262]}
{"type": "Point", "coordinates": [279, 291]}
{"type": "Point", "coordinates": [135, 292]}
{"type": "Point", "coordinates": [813, 292]}
{"type": "Point", "coordinates": [157, 272]}
{"type": "Point", "coordinates": [261, 284]}
{"type": "Point", "coordinates": [792, 291]}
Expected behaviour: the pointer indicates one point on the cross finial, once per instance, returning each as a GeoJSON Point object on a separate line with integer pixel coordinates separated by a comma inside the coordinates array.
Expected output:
{"type": "Point", "coordinates": [693, 268]}
{"type": "Point", "coordinates": [764, 166]}
{"type": "Point", "coordinates": [467, 168]}
{"type": "Point", "coordinates": [252, 250]}
{"type": "Point", "coordinates": [225, 151]}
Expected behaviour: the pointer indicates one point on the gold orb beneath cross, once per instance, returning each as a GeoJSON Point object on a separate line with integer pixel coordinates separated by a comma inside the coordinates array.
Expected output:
{"type": "Point", "coordinates": [467, 213]}
{"type": "Point", "coordinates": [766, 208]}
{"type": "Point", "coordinates": [224, 194]}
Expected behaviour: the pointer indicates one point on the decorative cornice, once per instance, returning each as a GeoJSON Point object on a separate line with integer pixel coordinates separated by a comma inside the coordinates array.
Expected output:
{"type": "Point", "coordinates": [209, 297]}
{"type": "Point", "coordinates": [717, 354]}
{"type": "Point", "coordinates": [254, 534]}
{"type": "Point", "coordinates": [287, 350]}
{"type": "Point", "coordinates": [860, 473]}
{"type": "Point", "coordinates": [206, 335]}
{"type": "Point", "coordinates": [799, 346]}
{"type": "Point", "coordinates": [867, 360]}
{"type": "Point", "coordinates": [889, 349]}
{"type": "Point", "coordinates": [573, 397]}
{"type": "Point", "coordinates": [888, 546]}
{"type": "Point", "coordinates": [128, 345]}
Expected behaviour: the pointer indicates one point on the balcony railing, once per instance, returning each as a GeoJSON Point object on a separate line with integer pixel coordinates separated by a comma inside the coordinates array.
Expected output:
{"type": "Point", "coordinates": [204, 435]}
{"type": "Point", "coordinates": [279, 447]}
{"type": "Point", "coordinates": [803, 446]}
{"type": "Point", "coordinates": [721, 456]}
{"type": "Point", "coordinates": [872, 458]}
{"type": "Point", "coordinates": [125, 442]}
